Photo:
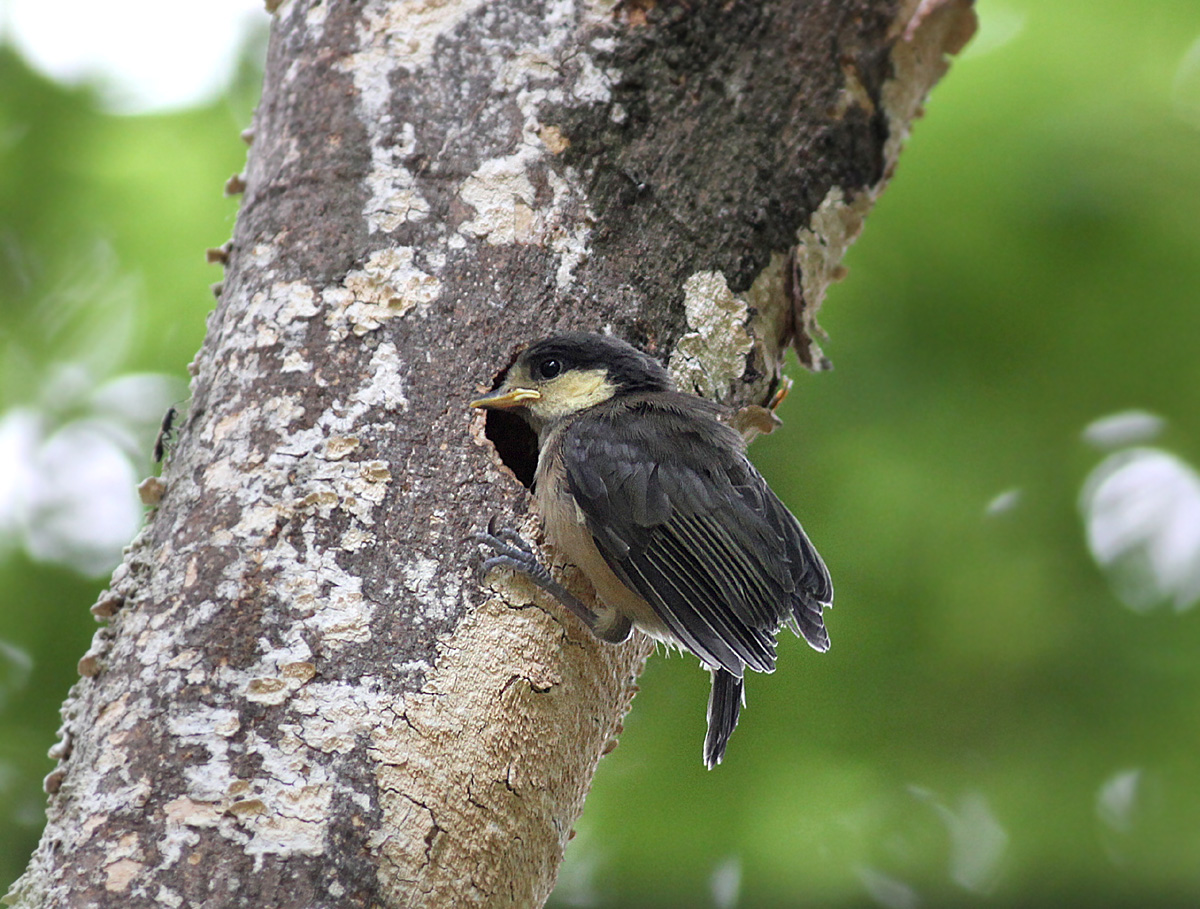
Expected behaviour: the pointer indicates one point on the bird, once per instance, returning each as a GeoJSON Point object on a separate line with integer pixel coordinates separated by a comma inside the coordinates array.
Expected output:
{"type": "Point", "coordinates": [649, 493]}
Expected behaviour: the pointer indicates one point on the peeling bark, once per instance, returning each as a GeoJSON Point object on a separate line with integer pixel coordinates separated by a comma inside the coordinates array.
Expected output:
{"type": "Point", "coordinates": [304, 695]}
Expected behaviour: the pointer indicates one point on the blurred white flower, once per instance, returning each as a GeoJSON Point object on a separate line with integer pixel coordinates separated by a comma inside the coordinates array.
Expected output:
{"type": "Point", "coordinates": [1003, 503]}
{"type": "Point", "coordinates": [1141, 510]}
{"type": "Point", "coordinates": [1117, 800]}
{"type": "Point", "coordinates": [887, 891]}
{"type": "Point", "coordinates": [146, 55]}
{"type": "Point", "coordinates": [1004, 25]}
{"type": "Point", "coordinates": [19, 432]}
{"type": "Point", "coordinates": [67, 491]}
{"type": "Point", "coordinates": [726, 882]}
{"type": "Point", "coordinates": [82, 507]}
{"type": "Point", "coordinates": [1128, 427]}
{"type": "Point", "coordinates": [978, 842]}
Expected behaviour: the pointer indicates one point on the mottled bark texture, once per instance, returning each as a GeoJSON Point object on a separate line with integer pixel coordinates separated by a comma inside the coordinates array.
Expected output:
{"type": "Point", "coordinates": [304, 695]}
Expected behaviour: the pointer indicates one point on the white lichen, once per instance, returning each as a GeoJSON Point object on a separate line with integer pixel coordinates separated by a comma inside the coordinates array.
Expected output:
{"type": "Point", "coordinates": [501, 190]}
{"type": "Point", "coordinates": [712, 355]}
{"type": "Point", "coordinates": [503, 196]}
{"type": "Point", "coordinates": [394, 36]}
{"type": "Point", "coordinates": [388, 286]}
{"type": "Point", "coordinates": [394, 197]}
{"type": "Point", "coordinates": [820, 248]}
{"type": "Point", "coordinates": [438, 596]}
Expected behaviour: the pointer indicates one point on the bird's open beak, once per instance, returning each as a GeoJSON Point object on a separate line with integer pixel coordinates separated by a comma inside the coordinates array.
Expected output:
{"type": "Point", "coordinates": [504, 398]}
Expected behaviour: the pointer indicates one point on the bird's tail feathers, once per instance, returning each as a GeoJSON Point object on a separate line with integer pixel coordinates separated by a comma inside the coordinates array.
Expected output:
{"type": "Point", "coordinates": [724, 705]}
{"type": "Point", "coordinates": [806, 621]}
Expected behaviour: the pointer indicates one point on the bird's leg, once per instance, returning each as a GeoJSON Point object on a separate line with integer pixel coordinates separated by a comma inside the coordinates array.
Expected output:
{"type": "Point", "coordinates": [513, 552]}
{"type": "Point", "coordinates": [754, 420]}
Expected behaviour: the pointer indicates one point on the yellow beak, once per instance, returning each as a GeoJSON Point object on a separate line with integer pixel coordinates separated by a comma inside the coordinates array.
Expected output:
{"type": "Point", "coordinates": [505, 398]}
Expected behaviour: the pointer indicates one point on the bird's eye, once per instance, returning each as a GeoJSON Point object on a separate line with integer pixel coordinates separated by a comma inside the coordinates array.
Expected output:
{"type": "Point", "coordinates": [548, 369]}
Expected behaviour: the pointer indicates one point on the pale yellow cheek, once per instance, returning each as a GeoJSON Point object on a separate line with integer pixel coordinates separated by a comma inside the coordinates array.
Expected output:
{"type": "Point", "coordinates": [572, 392]}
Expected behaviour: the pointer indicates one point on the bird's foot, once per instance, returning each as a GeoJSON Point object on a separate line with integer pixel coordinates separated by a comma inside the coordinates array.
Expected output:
{"type": "Point", "coordinates": [512, 551]}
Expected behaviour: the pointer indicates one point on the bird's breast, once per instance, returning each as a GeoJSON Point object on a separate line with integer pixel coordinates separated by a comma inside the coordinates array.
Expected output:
{"type": "Point", "coordinates": [567, 533]}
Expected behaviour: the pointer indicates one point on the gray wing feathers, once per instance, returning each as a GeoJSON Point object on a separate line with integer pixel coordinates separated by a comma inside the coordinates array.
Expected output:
{"type": "Point", "coordinates": [686, 521]}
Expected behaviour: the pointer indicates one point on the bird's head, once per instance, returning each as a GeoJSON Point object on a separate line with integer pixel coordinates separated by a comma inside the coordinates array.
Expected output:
{"type": "Point", "coordinates": [567, 373]}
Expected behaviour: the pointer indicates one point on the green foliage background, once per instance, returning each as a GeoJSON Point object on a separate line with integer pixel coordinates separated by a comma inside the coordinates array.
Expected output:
{"type": "Point", "coordinates": [991, 725]}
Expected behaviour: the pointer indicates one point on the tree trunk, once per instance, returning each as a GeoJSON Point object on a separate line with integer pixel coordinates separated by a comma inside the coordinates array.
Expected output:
{"type": "Point", "coordinates": [305, 695]}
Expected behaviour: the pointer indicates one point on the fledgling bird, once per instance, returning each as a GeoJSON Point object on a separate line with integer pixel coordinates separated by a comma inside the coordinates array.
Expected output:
{"type": "Point", "coordinates": [651, 496]}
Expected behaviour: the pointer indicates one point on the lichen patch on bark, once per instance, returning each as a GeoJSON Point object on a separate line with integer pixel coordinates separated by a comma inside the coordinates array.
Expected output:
{"type": "Point", "coordinates": [711, 355]}
{"type": "Point", "coordinates": [932, 31]}
{"type": "Point", "coordinates": [925, 33]}
{"type": "Point", "coordinates": [388, 286]}
{"type": "Point", "coordinates": [820, 248]}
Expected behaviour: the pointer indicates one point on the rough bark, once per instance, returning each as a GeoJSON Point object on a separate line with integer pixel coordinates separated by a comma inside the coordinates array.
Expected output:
{"type": "Point", "coordinates": [304, 695]}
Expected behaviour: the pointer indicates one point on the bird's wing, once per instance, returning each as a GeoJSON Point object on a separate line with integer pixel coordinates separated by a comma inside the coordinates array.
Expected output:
{"type": "Point", "coordinates": [684, 520]}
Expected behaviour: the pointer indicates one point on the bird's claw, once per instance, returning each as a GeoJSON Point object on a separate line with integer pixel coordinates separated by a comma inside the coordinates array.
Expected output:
{"type": "Point", "coordinates": [510, 550]}
{"type": "Point", "coordinates": [514, 552]}
{"type": "Point", "coordinates": [505, 540]}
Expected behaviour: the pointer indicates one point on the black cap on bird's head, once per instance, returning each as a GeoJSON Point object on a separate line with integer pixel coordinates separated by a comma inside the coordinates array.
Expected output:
{"type": "Point", "coordinates": [566, 373]}
{"type": "Point", "coordinates": [627, 368]}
